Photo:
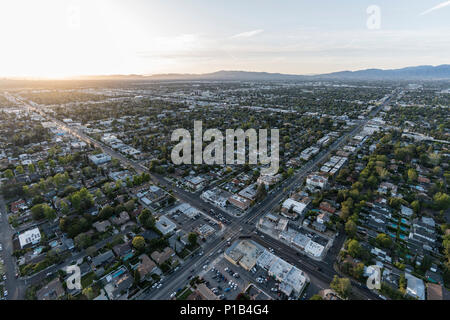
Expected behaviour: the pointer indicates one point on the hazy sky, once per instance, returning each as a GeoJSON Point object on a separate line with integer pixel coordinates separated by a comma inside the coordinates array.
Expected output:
{"type": "Point", "coordinates": [74, 37]}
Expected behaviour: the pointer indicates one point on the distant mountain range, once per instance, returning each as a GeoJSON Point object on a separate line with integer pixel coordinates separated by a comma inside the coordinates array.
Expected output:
{"type": "Point", "coordinates": [410, 73]}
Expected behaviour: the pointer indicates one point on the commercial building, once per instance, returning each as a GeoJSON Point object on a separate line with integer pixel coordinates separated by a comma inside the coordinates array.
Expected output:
{"type": "Point", "coordinates": [248, 254]}
{"type": "Point", "coordinates": [100, 158]}
{"type": "Point", "coordinates": [239, 202]}
{"type": "Point", "coordinates": [309, 153]}
{"type": "Point", "coordinates": [269, 180]}
{"type": "Point", "coordinates": [415, 287]}
{"type": "Point", "coordinates": [294, 206]}
{"type": "Point", "coordinates": [165, 225]}
{"type": "Point", "coordinates": [195, 183]}
{"type": "Point", "coordinates": [316, 181]}
{"type": "Point", "coordinates": [215, 196]}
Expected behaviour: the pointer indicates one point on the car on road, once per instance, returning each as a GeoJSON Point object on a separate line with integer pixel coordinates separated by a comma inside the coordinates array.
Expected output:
{"type": "Point", "coordinates": [1, 248]}
{"type": "Point", "coordinates": [5, 293]}
{"type": "Point", "coordinates": [173, 294]}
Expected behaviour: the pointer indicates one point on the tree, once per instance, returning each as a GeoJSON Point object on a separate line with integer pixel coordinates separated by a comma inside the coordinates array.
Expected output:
{"type": "Point", "coordinates": [358, 271]}
{"type": "Point", "coordinates": [8, 174]}
{"type": "Point", "coordinates": [316, 297]}
{"type": "Point", "coordinates": [41, 211]}
{"type": "Point", "coordinates": [41, 165]}
{"type": "Point", "coordinates": [415, 205]}
{"type": "Point", "coordinates": [138, 242]}
{"type": "Point", "coordinates": [83, 240]}
{"type": "Point", "coordinates": [402, 283]}
{"type": "Point", "coordinates": [242, 296]}
{"type": "Point", "coordinates": [354, 248]}
{"type": "Point", "coordinates": [106, 212]}
{"type": "Point", "coordinates": [290, 172]}
{"type": "Point", "coordinates": [350, 228]}
{"type": "Point", "coordinates": [372, 181]}
{"type": "Point", "coordinates": [89, 293]}
{"type": "Point", "coordinates": [146, 219]}
{"type": "Point", "coordinates": [129, 206]}
{"type": "Point", "coordinates": [261, 192]}
{"type": "Point", "coordinates": [192, 238]}
{"type": "Point", "coordinates": [383, 240]}
{"type": "Point", "coordinates": [31, 168]}
{"type": "Point", "coordinates": [137, 276]}
{"type": "Point", "coordinates": [412, 175]}
{"type": "Point", "coordinates": [441, 200]}
{"type": "Point", "coordinates": [342, 286]}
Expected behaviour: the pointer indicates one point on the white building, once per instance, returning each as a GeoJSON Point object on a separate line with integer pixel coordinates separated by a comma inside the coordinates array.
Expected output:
{"type": "Point", "coordinates": [214, 196]}
{"type": "Point", "coordinates": [415, 287]}
{"type": "Point", "coordinates": [309, 152]}
{"type": "Point", "coordinates": [165, 225]}
{"type": "Point", "coordinates": [195, 183]}
{"type": "Point", "coordinates": [100, 158]}
{"type": "Point", "coordinates": [314, 181]}
{"type": "Point", "coordinates": [28, 237]}
{"type": "Point", "coordinates": [297, 207]}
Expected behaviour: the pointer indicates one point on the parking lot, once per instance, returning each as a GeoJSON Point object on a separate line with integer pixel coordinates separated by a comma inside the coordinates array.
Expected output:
{"type": "Point", "coordinates": [224, 281]}
{"type": "Point", "coordinates": [220, 275]}
{"type": "Point", "coordinates": [189, 224]}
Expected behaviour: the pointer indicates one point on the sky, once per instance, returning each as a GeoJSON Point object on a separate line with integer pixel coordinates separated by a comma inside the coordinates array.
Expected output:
{"type": "Point", "coordinates": [63, 38]}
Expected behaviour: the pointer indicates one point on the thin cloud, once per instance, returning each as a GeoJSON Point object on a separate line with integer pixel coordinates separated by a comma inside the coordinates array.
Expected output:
{"type": "Point", "coordinates": [439, 6]}
{"type": "Point", "coordinates": [247, 34]}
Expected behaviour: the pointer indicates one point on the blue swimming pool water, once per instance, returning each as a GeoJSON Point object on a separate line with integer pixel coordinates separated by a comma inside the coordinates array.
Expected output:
{"type": "Point", "coordinates": [128, 256]}
{"type": "Point", "coordinates": [118, 273]}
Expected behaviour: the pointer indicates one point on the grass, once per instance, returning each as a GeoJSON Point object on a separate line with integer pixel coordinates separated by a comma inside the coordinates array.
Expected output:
{"type": "Point", "coordinates": [184, 294]}
{"type": "Point", "coordinates": [87, 280]}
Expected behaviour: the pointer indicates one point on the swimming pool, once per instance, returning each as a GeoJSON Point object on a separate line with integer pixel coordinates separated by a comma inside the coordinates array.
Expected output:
{"type": "Point", "coordinates": [128, 256]}
{"type": "Point", "coordinates": [118, 273]}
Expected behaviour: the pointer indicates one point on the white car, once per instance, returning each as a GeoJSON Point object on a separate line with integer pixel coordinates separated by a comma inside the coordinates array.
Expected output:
{"type": "Point", "coordinates": [159, 286]}
{"type": "Point", "coordinates": [5, 293]}
{"type": "Point", "coordinates": [173, 295]}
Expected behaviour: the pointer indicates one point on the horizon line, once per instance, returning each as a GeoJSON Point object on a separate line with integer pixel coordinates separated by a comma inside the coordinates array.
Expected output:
{"type": "Point", "coordinates": [143, 75]}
